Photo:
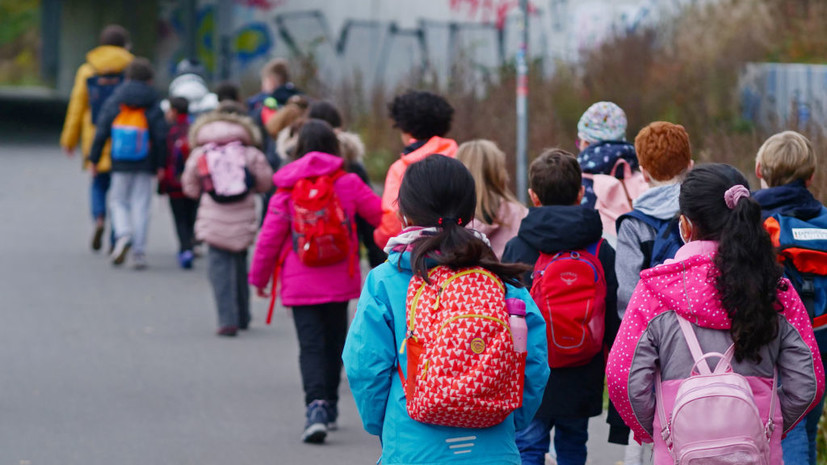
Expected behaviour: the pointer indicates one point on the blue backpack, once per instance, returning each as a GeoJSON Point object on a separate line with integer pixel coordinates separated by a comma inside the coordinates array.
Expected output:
{"type": "Point", "coordinates": [99, 87]}
{"type": "Point", "coordinates": [802, 249]}
{"type": "Point", "coordinates": [667, 238]}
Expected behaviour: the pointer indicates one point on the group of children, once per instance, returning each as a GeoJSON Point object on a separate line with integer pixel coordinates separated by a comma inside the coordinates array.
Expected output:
{"type": "Point", "coordinates": [485, 325]}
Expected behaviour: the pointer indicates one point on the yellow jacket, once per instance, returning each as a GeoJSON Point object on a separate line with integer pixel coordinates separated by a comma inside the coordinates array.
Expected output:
{"type": "Point", "coordinates": [78, 124]}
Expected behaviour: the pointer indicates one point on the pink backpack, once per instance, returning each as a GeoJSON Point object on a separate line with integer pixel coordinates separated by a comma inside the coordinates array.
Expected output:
{"type": "Point", "coordinates": [614, 196]}
{"type": "Point", "coordinates": [715, 420]}
{"type": "Point", "coordinates": [223, 172]}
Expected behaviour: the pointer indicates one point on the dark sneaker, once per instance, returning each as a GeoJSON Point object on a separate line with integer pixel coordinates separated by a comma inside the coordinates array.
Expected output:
{"type": "Point", "coordinates": [315, 430]}
{"type": "Point", "coordinates": [97, 238]}
{"type": "Point", "coordinates": [332, 416]}
{"type": "Point", "coordinates": [185, 259]}
{"type": "Point", "coordinates": [120, 250]}
{"type": "Point", "coordinates": [227, 331]}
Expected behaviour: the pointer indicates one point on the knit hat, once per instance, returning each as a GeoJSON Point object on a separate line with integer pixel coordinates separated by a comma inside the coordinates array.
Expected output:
{"type": "Point", "coordinates": [663, 150]}
{"type": "Point", "coordinates": [602, 121]}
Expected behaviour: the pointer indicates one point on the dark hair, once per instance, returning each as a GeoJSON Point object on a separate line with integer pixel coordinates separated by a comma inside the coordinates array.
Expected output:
{"type": "Point", "coordinates": [555, 177]}
{"type": "Point", "coordinates": [278, 68]}
{"type": "Point", "coordinates": [325, 111]}
{"type": "Point", "coordinates": [227, 91]}
{"type": "Point", "coordinates": [316, 135]}
{"type": "Point", "coordinates": [748, 274]}
{"type": "Point", "coordinates": [421, 114]}
{"type": "Point", "coordinates": [438, 190]}
{"type": "Point", "coordinates": [180, 105]}
{"type": "Point", "coordinates": [114, 34]}
{"type": "Point", "coordinates": [139, 70]}
{"type": "Point", "coordinates": [232, 107]}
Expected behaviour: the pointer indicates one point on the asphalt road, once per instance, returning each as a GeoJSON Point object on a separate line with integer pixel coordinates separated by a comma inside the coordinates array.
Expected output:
{"type": "Point", "coordinates": [115, 366]}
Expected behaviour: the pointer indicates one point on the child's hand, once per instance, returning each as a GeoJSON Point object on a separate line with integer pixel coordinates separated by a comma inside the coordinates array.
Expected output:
{"type": "Point", "coordinates": [161, 174]}
{"type": "Point", "coordinates": [262, 292]}
{"type": "Point", "coordinates": [93, 168]}
{"type": "Point", "coordinates": [69, 151]}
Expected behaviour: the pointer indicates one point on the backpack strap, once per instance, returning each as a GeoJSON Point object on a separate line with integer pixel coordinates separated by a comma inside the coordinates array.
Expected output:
{"type": "Point", "coordinates": [664, 422]}
{"type": "Point", "coordinates": [594, 248]}
{"type": "Point", "coordinates": [694, 345]}
{"type": "Point", "coordinates": [276, 273]}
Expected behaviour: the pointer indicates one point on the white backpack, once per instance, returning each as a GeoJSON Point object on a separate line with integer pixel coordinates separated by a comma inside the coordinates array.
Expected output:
{"type": "Point", "coordinates": [715, 420]}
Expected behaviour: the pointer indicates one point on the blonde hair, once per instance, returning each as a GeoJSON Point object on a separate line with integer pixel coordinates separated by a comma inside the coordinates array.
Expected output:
{"type": "Point", "coordinates": [486, 162]}
{"type": "Point", "coordinates": [786, 157]}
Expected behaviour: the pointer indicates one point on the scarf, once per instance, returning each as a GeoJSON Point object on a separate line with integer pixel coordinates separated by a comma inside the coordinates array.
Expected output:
{"type": "Point", "coordinates": [403, 241]}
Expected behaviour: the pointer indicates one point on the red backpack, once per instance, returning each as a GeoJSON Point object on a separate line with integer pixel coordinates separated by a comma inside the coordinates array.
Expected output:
{"type": "Point", "coordinates": [570, 290]}
{"type": "Point", "coordinates": [322, 231]}
{"type": "Point", "coordinates": [463, 370]}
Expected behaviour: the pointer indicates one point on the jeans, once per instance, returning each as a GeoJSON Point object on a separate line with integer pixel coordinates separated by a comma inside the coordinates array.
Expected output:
{"type": "Point", "coordinates": [227, 272]}
{"type": "Point", "coordinates": [570, 437]}
{"type": "Point", "coordinates": [321, 330]}
{"type": "Point", "coordinates": [799, 447]}
{"type": "Point", "coordinates": [131, 198]}
{"type": "Point", "coordinates": [98, 189]}
{"type": "Point", "coordinates": [183, 212]}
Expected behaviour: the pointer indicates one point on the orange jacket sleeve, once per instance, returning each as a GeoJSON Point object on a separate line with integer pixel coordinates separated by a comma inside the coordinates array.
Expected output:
{"type": "Point", "coordinates": [390, 225]}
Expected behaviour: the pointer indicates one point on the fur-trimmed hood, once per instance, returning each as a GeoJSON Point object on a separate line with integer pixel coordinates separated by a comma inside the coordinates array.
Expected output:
{"type": "Point", "coordinates": [220, 128]}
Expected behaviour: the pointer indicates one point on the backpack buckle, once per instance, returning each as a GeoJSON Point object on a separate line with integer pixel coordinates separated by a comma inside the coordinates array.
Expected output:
{"type": "Point", "coordinates": [667, 436]}
{"type": "Point", "coordinates": [769, 428]}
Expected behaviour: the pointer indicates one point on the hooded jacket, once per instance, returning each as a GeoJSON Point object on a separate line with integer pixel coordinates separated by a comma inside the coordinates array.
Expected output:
{"type": "Point", "coordinates": [228, 226]}
{"type": "Point", "coordinates": [504, 227]}
{"type": "Point", "coordinates": [302, 284]}
{"type": "Point", "coordinates": [659, 202]}
{"type": "Point", "coordinates": [133, 94]}
{"type": "Point", "coordinates": [571, 391]}
{"type": "Point", "coordinates": [415, 152]}
{"type": "Point", "coordinates": [600, 158]}
{"type": "Point", "coordinates": [650, 337]}
{"type": "Point", "coordinates": [371, 356]}
{"type": "Point", "coordinates": [78, 125]}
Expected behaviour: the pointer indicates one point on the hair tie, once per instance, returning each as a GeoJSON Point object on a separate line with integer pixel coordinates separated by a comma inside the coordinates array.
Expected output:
{"type": "Point", "coordinates": [458, 221]}
{"type": "Point", "coordinates": [734, 194]}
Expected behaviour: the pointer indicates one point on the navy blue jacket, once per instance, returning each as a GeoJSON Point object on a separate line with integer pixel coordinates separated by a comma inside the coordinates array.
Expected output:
{"type": "Point", "coordinates": [574, 391]}
{"type": "Point", "coordinates": [141, 95]}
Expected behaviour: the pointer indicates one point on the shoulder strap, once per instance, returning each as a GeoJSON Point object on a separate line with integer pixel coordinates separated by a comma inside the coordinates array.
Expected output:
{"type": "Point", "coordinates": [594, 248]}
{"type": "Point", "coordinates": [694, 345]}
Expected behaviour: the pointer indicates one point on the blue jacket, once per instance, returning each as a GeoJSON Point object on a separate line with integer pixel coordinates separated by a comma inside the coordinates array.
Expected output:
{"type": "Point", "coordinates": [370, 359]}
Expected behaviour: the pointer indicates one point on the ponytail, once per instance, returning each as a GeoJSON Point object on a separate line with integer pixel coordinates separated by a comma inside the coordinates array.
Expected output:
{"type": "Point", "coordinates": [715, 198]}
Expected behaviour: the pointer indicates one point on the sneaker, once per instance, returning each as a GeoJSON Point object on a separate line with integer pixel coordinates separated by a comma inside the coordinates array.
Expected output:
{"type": "Point", "coordinates": [315, 430]}
{"type": "Point", "coordinates": [97, 237]}
{"type": "Point", "coordinates": [185, 259]}
{"type": "Point", "coordinates": [332, 415]}
{"type": "Point", "coordinates": [139, 261]}
{"type": "Point", "coordinates": [120, 250]}
{"type": "Point", "coordinates": [227, 331]}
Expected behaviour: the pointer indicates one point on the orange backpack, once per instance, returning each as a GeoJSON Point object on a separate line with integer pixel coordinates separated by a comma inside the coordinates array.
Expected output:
{"type": "Point", "coordinates": [463, 370]}
{"type": "Point", "coordinates": [130, 134]}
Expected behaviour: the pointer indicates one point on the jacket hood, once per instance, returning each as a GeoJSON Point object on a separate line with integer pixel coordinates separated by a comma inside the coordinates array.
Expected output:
{"type": "Point", "coordinates": [436, 144]}
{"type": "Point", "coordinates": [554, 228]}
{"type": "Point", "coordinates": [193, 88]}
{"type": "Point", "coordinates": [109, 59]}
{"type": "Point", "coordinates": [601, 157]}
{"type": "Point", "coordinates": [221, 128]}
{"type": "Point", "coordinates": [793, 199]}
{"type": "Point", "coordinates": [311, 165]}
{"type": "Point", "coordinates": [136, 94]}
{"type": "Point", "coordinates": [699, 303]}
{"type": "Point", "coordinates": [660, 202]}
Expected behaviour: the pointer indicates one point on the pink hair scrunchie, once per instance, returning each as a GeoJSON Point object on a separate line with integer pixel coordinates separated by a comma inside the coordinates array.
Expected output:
{"type": "Point", "coordinates": [734, 194]}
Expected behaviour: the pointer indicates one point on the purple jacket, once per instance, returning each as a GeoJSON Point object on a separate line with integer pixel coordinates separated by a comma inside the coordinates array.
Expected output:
{"type": "Point", "coordinates": [301, 284]}
{"type": "Point", "coordinates": [650, 336]}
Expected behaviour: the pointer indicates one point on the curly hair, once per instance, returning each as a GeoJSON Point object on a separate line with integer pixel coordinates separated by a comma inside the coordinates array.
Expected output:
{"type": "Point", "coordinates": [421, 114]}
{"type": "Point", "coordinates": [748, 274]}
{"type": "Point", "coordinates": [663, 150]}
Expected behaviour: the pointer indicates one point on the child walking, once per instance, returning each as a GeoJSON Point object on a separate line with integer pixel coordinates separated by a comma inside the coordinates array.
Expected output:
{"type": "Point", "coordinates": [309, 240]}
{"type": "Point", "coordinates": [183, 208]}
{"type": "Point", "coordinates": [393, 337]}
{"type": "Point", "coordinates": [723, 295]}
{"type": "Point", "coordinates": [224, 169]}
{"type": "Point", "coordinates": [498, 213]}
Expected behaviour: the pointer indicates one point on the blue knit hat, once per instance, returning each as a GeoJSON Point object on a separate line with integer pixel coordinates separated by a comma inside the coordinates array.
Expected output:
{"type": "Point", "coordinates": [602, 121]}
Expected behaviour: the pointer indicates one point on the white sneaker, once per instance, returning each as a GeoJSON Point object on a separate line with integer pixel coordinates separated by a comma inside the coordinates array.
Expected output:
{"type": "Point", "coordinates": [139, 261]}
{"type": "Point", "coordinates": [120, 250]}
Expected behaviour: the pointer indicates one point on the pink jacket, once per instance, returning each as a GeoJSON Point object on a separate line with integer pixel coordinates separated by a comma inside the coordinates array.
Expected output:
{"type": "Point", "coordinates": [230, 226]}
{"type": "Point", "coordinates": [301, 284]}
{"type": "Point", "coordinates": [650, 336]}
{"type": "Point", "coordinates": [505, 226]}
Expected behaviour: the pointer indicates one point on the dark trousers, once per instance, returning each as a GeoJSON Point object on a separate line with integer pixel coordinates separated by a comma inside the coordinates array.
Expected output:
{"type": "Point", "coordinates": [183, 212]}
{"type": "Point", "coordinates": [321, 329]}
{"type": "Point", "coordinates": [227, 272]}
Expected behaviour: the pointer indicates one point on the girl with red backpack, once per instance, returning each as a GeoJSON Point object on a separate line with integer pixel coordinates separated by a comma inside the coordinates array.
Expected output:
{"type": "Point", "coordinates": [309, 239]}
{"type": "Point", "coordinates": [714, 333]}
{"type": "Point", "coordinates": [434, 368]}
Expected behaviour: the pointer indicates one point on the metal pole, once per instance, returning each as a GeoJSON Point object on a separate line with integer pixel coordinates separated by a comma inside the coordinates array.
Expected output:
{"type": "Point", "coordinates": [522, 105]}
{"type": "Point", "coordinates": [189, 14]}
